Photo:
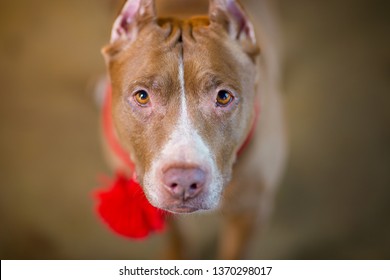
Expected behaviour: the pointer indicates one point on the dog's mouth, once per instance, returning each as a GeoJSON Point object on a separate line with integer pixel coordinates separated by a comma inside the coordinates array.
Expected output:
{"type": "Point", "coordinates": [184, 209]}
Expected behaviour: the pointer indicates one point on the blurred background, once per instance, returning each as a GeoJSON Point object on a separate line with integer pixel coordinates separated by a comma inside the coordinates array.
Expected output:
{"type": "Point", "coordinates": [334, 201]}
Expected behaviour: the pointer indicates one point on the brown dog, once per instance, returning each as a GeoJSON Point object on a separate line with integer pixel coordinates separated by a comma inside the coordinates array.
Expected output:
{"type": "Point", "coordinates": [186, 96]}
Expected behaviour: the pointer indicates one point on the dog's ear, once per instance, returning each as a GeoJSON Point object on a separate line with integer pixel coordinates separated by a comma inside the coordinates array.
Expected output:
{"type": "Point", "coordinates": [134, 15]}
{"type": "Point", "coordinates": [233, 18]}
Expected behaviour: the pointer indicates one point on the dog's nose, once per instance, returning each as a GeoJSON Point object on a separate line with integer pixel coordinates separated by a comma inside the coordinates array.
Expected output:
{"type": "Point", "coordinates": [184, 183]}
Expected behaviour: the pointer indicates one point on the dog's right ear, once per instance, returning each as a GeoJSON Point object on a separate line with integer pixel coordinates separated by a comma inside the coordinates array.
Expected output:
{"type": "Point", "coordinates": [232, 16]}
{"type": "Point", "coordinates": [134, 15]}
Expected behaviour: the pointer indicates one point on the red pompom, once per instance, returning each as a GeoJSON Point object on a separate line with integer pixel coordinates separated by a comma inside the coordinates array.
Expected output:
{"type": "Point", "coordinates": [126, 210]}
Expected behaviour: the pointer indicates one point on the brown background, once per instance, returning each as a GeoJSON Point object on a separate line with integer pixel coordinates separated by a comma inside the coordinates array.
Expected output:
{"type": "Point", "coordinates": [335, 198]}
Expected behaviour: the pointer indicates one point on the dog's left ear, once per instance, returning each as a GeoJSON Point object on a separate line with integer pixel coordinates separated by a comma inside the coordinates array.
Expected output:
{"type": "Point", "coordinates": [232, 16]}
{"type": "Point", "coordinates": [134, 15]}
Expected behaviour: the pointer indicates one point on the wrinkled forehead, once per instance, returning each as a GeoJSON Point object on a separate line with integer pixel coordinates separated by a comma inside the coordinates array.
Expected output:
{"type": "Point", "coordinates": [159, 48]}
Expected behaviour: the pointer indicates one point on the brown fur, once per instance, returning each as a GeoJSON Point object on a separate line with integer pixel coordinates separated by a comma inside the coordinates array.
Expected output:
{"type": "Point", "coordinates": [208, 62]}
{"type": "Point", "coordinates": [212, 58]}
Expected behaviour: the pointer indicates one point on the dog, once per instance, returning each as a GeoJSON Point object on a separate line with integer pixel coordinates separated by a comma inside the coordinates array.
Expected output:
{"type": "Point", "coordinates": [195, 106]}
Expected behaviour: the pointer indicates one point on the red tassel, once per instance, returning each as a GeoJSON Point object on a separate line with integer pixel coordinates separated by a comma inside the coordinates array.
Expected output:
{"type": "Point", "coordinates": [126, 210]}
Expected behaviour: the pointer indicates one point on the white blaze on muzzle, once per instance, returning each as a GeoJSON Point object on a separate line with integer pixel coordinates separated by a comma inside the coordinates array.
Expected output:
{"type": "Point", "coordinates": [184, 147]}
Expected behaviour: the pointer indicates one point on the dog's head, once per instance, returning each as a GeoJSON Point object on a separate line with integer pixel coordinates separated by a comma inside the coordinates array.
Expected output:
{"type": "Point", "coordinates": [183, 99]}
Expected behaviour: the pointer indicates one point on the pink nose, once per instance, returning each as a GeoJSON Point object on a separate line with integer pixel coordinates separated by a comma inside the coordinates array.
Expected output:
{"type": "Point", "coordinates": [184, 183]}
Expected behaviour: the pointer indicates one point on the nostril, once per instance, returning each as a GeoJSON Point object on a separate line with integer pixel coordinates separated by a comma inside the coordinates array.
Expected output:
{"type": "Point", "coordinates": [184, 183]}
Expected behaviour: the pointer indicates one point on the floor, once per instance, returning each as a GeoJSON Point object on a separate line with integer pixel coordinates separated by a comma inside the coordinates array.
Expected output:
{"type": "Point", "coordinates": [334, 199]}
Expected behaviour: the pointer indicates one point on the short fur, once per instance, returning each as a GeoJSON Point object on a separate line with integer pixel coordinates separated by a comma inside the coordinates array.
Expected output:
{"type": "Point", "coordinates": [209, 53]}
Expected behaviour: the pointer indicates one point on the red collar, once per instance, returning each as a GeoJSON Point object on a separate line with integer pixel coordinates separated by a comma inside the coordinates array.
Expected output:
{"type": "Point", "coordinates": [123, 207]}
{"type": "Point", "coordinates": [251, 132]}
{"type": "Point", "coordinates": [109, 133]}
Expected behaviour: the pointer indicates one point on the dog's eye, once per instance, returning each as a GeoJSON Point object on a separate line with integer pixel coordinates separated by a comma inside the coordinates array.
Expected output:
{"type": "Point", "coordinates": [142, 97]}
{"type": "Point", "coordinates": [224, 98]}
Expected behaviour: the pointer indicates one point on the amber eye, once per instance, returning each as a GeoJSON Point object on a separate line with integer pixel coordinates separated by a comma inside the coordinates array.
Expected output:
{"type": "Point", "coordinates": [142, 97]}
{"type": "Point", "coordinates": [224, 98]}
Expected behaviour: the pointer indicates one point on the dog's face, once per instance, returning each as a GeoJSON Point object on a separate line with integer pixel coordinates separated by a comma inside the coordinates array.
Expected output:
{"type": "Point", "coordinates": [183, 94]}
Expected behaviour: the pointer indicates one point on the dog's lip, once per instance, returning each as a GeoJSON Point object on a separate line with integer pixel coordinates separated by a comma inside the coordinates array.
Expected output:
{"type": "Point", "coordinates": [183, 209]}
